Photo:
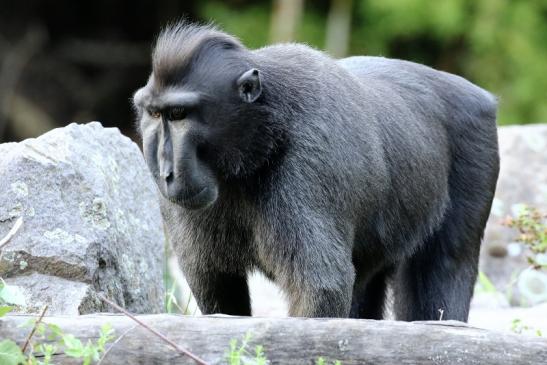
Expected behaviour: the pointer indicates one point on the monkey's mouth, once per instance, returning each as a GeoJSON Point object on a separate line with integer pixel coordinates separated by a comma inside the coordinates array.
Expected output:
{"type": "Point", "coordinates": [201, 200]}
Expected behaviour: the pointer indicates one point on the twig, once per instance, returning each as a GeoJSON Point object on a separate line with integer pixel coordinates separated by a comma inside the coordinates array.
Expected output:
{"type": "Point", "coordinates": [115, 342]}
{"type": "Point", "coordinates": [155, 332]}
{"type": "Point", "coordinates": [173, 300]}
{"type": "Point", "coordinates": [12, 232]}
{"type": "Point", "coordinates": [34, 329]}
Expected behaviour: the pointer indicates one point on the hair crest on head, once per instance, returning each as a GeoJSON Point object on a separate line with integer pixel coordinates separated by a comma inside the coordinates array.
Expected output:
{"type": "Point", "coordinates": [181, 43]}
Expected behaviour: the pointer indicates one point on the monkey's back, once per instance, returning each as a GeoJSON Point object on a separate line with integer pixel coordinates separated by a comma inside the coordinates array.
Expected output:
{"type": "Point", "coordinates": [455, 121]}
{"type": "Point", "coordinates": [398, 143]}
{"type": "Point", "coordinates": [457, 104]}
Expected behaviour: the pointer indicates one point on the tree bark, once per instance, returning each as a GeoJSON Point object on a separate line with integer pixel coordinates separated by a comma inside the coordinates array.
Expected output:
{"type": "Point", "coordinates": [295, 340]}
{"type": "Point", "coordinates": [286, 16]}
{"type": "Point", "coordinates": [338, 27]}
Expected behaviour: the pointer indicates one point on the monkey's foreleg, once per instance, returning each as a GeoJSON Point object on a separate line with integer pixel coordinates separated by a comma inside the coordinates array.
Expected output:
{"type": "Point", "coordinates": [220, 292]}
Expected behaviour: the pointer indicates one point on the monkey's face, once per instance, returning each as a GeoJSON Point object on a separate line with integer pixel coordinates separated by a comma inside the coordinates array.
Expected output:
{"type": "Point", "coordinates": [198, 131]}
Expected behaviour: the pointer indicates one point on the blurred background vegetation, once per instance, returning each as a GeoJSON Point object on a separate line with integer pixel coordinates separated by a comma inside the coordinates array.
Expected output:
{"type": "Point", "coordinates": [64, 61]}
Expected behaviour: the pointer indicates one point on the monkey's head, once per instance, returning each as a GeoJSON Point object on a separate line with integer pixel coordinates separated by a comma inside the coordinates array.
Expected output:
{"type": "Point", "coordinates": [202, 114]}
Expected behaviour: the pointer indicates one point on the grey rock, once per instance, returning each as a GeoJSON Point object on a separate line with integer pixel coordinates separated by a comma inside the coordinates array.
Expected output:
{"type": "Point", "coordinates": [62, 296]}
{"type": "Point", "coordinates": [532, 287]}
{"type": "Point", "coordinates": [522, 180]}
{"type": "Point", "coordinates": [485, 300]}
{"type": "Point", "coordinates": [91, 221]}
{"type": "Point", "coordinates": [530, 321]}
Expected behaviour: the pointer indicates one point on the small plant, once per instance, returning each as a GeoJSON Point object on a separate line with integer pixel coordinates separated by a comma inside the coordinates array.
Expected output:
{"type": "Point", "coordinates": [322, 361]}
{"type": "Point", "coordinates": [532, 226]}
{"type": "Point", "coordinates": [519, 327]}
{"type": "Point", "coordinates": [89, 352]}
{"type": "Point", "coordinates": [172, 304]}
{"type": "Point", "coordinates": [49, 339]}
{"type": "Point", "coordinates": [484, 284]}
{"type": "Point", "coordinates": [239, 355]}
{"type": "Point", "coordinates": [10, 295]}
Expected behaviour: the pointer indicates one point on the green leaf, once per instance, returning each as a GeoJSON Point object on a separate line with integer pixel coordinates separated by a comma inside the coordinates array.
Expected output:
{"type": "Point", "coordinates": [486, 284]}
{"type": "Point", "coordinates": [107, 334]}
{"type": "Point", "coordinates": [54, 331]}
{"type": "Point", "coordinates": [28, 323]}
{"type": "Point", "coordinates": [41, 329]}
{"type": "Point", "coordinates": [5, 309]}
{"type": "Point", "coordinates": [74, 347]}
{"type": "Point", "coordinates": [10, 353]}
{"type": "Point", "coordinates": [47, 351]}
{"type": "Point", "coordinates": [12, 295]}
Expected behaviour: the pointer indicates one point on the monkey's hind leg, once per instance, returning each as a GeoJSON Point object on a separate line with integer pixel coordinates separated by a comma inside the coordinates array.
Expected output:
{"type": "Point", "coordinates": [438, 280]}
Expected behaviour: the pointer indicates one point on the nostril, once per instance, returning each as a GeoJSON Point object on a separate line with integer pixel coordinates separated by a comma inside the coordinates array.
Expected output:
{"type": "Point", "coordinates": [169, 178]}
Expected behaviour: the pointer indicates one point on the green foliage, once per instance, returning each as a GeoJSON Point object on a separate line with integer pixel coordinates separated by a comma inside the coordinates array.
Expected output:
{"type": "Point", "coordinates": [240, 355]}
{"type": "Point", "coordinates": [11, 295]}
{"type": "Point", "coordinates": [10, 353]}
{"type": "Point", "coordinates": [484, 284]}
{"type": "Point", "coordinates": [5, 309]}
{"type": "Point", "coordinates": [322, 361]}
{"type": "Point", "coordinates": [50, 339]}
{"type": "Point", "coordinates": [532, 226]}
{"type": "Point", "coordinates": [498, 44]}
{"type": "Point", "coordinates": [249, 23]}
{"type": "Point", "coordinates": [89, 352]}
{"type": "Point", "coordinates": [47, 351]}
{"type": "Point", "coordinates": [172, 303]}
{"type": "Point", "coordinates": [519, 327]}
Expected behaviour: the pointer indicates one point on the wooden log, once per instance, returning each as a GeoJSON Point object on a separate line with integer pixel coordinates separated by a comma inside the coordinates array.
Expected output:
{"type": "Point", "coordinates": [295, 340]}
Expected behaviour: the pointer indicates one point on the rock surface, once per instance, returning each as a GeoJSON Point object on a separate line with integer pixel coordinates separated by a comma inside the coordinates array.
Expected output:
{"type": "Point", "coordinates": [522, 180]}
{"type": "Point", "coordinates": [91, 221]}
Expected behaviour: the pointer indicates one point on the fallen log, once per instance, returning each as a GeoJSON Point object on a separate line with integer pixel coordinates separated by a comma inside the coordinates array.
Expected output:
{"type": "Point", "coordinates": [294, 340]}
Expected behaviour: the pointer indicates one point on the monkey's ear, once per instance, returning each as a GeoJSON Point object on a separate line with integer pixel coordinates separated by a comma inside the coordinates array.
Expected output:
{"type": "Point", "coordinates": [249, 86]}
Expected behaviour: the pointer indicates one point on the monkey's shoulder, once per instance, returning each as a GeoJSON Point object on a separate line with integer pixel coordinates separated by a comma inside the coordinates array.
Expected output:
{"type": "Point", "coordinates": [411, 75]}
{"type": "Point", "coordinates": [296, 55]}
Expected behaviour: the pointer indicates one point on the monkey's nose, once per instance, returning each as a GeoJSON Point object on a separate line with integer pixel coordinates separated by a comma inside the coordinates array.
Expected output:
{"type": "Point", "coordinates": [167, 176]}
{"type": "Point", "coordinates": [166, 170]}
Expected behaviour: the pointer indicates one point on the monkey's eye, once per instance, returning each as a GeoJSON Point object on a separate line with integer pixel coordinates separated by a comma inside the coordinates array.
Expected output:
{"type": "Point", "coordinates": [154, 114]}
{"type": "Point", "coordinates": [176, 113]}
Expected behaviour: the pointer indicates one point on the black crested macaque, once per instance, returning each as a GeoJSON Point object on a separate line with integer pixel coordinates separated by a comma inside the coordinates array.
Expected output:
{"type": "Point", "coordinates": [333, 177]}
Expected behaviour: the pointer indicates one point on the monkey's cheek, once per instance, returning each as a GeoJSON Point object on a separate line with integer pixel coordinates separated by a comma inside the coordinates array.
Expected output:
{"type": "Point", "coordinates": [201, 200]}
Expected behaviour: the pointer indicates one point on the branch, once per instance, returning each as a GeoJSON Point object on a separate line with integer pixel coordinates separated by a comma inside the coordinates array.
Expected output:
{"type": "Point", "coordinates": [298, 340]}
{"type": "Point", "coordinates": [114, 343]}
{"type": "Point", "coordinates": [34, 329]}
{"type": "Point", "coordinates": [11, 233]}
{"type": "Point", "coordinates": [155, 332]}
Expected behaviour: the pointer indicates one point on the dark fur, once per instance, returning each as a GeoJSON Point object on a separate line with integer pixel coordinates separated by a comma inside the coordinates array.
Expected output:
{"type": "Point", "coordinates": [341, 176]}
